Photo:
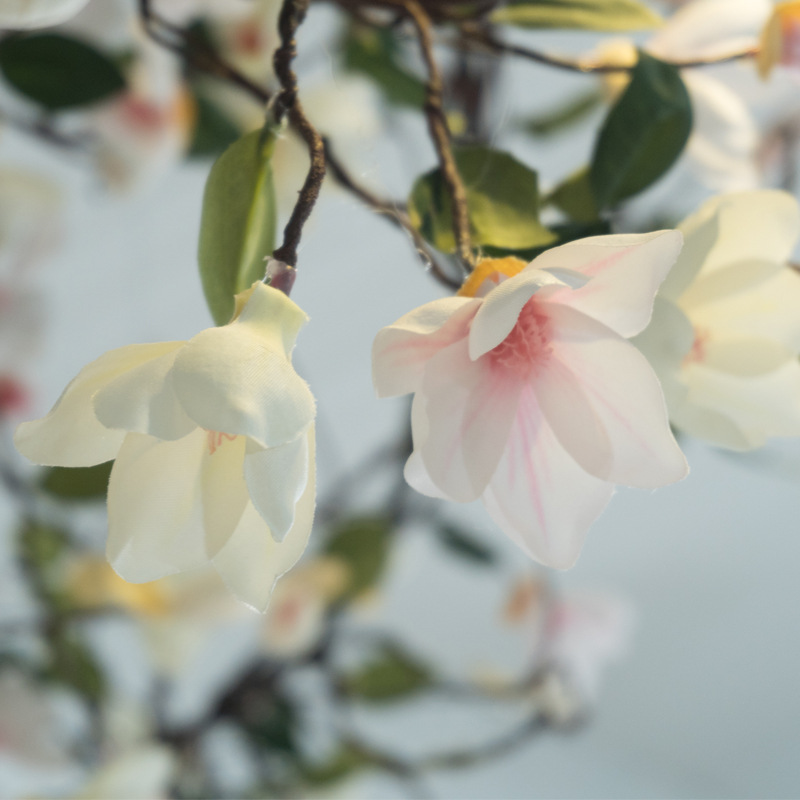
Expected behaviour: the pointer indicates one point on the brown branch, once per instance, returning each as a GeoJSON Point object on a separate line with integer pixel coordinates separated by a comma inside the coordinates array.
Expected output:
{"type": "Point", "coordinates": [393, 211]}
{"type": "Point", "coordinates": [487, 42]}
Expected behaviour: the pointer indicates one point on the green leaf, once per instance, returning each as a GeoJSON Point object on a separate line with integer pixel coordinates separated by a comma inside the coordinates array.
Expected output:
{"type": "Point", "coordinates": [346, 761]}
{"type": "Point", "coordinates": [375, 52]}
{"type": "Point", "coordinates": [464, 545]}
{"type": "Point", "coordinates": [594, 15]}
{"type": "Point", "coordinates": [214, 131]}
{"type": "Point", "coordinates": [363, 544]}
{"type": "Point", "coordinates": [502, 196]}
{"type": "Point", "coordinates": [644, 132]}
{"type": "Point", "coordinates": [272, 724]}
{"type": "Point", "coordinates": [58, 72]}
{"type": "Point", "coordinates": [73, 664]}
{"type": "Point", "coordinates": [78, 483]}
{"type": "Point", "coordinates": [391, 675]}
{"type": "Point", "coordinates": [564, 116]}
{"type": "Point", "coordinates": [575, 197]}
{"type": "Point", "coordinates": [237, 229]}
{"type": "Point", "coordinates": [41, 545]}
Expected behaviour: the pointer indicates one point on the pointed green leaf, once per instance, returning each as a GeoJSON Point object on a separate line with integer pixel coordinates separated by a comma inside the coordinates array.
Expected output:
{"type": "Point", "coordinates": [362, 544]}
{"type": "Point", "coordinates": [594, 15]}
{"type": "Point", "coordinates": [78, 483]}
{"type": "Point", "coordinates": [237, 229]}
{"type": "Point", "coordinates": [58, 72]}
{"type": "Point", "coordinates": [575, 197]}
{"type": "Point", "coordinates": [391, 675]}
{"type": "Point", "coordinates": [644, 133]}
{"type": "Point", "coordinates": [503, 200]}
{"type": "Point", "coordinates": [465, 545]}
{"type": "Point", "coordinates": [564, 116]}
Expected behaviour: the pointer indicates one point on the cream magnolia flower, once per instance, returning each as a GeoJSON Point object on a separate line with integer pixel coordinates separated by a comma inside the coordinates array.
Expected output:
{"type": "Point", "coordinates": [530, 397]}
{"type": "Point", "coordinates": [725, 333]}
{"type": "Point", "coordinates": [22, 14]}
{"type": "Point", "coordinates": [214, 446]}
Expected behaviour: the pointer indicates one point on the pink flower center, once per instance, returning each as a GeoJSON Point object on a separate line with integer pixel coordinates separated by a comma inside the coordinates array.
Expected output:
{"type": "Point", "coordinates": [528, 344]}
{"type": "Point", "coordinates": [698, 352]}
{"type": "Point", "coordinates": [215, 440]}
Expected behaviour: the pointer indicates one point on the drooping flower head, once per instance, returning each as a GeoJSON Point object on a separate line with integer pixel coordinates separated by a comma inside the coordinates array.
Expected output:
{"type": "Point", "coordinates": [213, 441]}
{"type": "Point", "coordinates": [725, 333]}
{"type": "Point", "coordinates": [527, 394]}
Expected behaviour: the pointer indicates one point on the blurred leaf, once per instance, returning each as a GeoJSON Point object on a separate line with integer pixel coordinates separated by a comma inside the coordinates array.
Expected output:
{"type": "Point", "coordinates": [57, 71]}
{"type": "Point", "coordinates": [362, 544]}
{"type": "Point", "coordinates": [564, 116]}
{"type": "Point", "coordinates": [375, 53]}
{"type": "Point", "coordinates": [272, 723]}
{"type": "Point", "coordinates": [214, 131]}
{"type": "Point", "coordinates": [644, 132]}
{"type": "Point", "coordinates": [346, 761]}
{"type": "Point", "coordinates": [78, 483]}
{"type": "Point", "coordinates": [40, 545]}
{"type": "Point", "coordinates": [575, 197]}
{"type": "Point", "coordinates": [565, 232]}
{"type": "Point", "coordinates": [237, 229]}
{"type": "Point", "coordinates": [464, 545]}
{"type": "Point", "coordinates": [72, 663]}
{"type": "Point", "coordinates": [595, 15]}
{"type": "Point", "coordinates": [392, 675]}
{"type": "Point", "coordinates": [503, 200]}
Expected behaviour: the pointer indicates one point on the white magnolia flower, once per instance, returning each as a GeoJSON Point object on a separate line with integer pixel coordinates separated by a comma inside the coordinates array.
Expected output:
{"type": "Point", "coordinates": [725, 333]}
{"type": "Point", "coordinates": [531, 398]}
{"type": "Point", "coordinates": [214, 446]}
{"type": "Point", "coordinates": [24, 14]}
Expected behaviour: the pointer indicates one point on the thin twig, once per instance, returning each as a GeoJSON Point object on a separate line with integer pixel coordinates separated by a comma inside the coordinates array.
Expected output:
{"type": "Point", "coordinates": [393, 211]}
{"type": "Point", "coordinates": [485, 41]}
{"type": "Point", "coordinates": [439, 129]}
{"type": "Point", "coordinates": [287, 103]}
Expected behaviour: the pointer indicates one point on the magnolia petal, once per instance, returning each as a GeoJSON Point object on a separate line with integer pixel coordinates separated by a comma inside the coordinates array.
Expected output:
{"type": "Point", "coordinates": [499, 310]}
{"type": "Point", "coordinates": [709, 425]}
{"type": "Point", "coordinates": [709, 29]}
{"type": "Point", "coordinates": [415, 473]}
{"type": "Point", "coordinates": [155, 511]}
{"type": "Point", "coordinates": [746, 358]}
{"type": "Point", "coordinates": [29, 14]}
{"type": "Point", "coordinates": [765, 310]}
{"type": "Point", "coordinates": [70, 435]}
{"type": "Point", "coordinates": [762, 225]}
{"type": "Point", "coordinates": [401, 350]}
{"type": "Point", "coordinates": [276, 479]}
{"type": "Point", "coordinates": [228, 379]}
{"type": "Point", "coordinates": [539, 495]}
{"type": "Point", "coordinates": [252, 560]}
{"type": "Point", "coordinates": [469, 410]}
{"type": "Point", "coordinates": [741, 276]}
{"type": "Point", "coordinates": [269, 315]}
{"type": "Point", "coordinates": [760, 407]}
{"type": "Point", "coordinates": [622, 389]}
{"type": "Point", "coordinates": [224, 489]}
{"type": "Point", "coordinates": [143, 400]}
{"type": "Point", "coordinates": [625, 272]}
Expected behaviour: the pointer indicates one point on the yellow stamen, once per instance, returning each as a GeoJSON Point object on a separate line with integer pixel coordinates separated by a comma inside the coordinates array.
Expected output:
{"type": "Point", "coordinates": [490, 269]}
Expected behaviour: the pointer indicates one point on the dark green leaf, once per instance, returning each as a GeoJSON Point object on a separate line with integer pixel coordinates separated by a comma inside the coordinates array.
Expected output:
{"type": "Point", "coordinates": [644, 132]}
{"type": "Point", "coordinates": [567, 232]}
{"type": "Point", "coordinates": [464, 545]}
{"type": "Point", "coordinates": [595, 15]}
{"type": "Point", "coordinates": [391, 675]}
{"type": "Point", "coordinates": [503, 200]}
{"type": "Point", "coordinates": [564, 116]}
{"type": "Point", "coordinates": [57, 71]}
{"type": "Point", "coordinates": [375, 52]}
{"type": "Point", "coordinates": [214, 131]}
{"type": "Point", "coordinates": [73, 664]}
{"type": "Point", "coordinates": [78, 483]}
{"type": "Point", "coordinates": [347, 761]}
{"type": "Point", "coordinates": [575, 197]}
{"type": "Point", "coordinates": [237, 229]}
{"type": "Point", "coordinates": [271, 721]}
{"type": "Point", "coordinates": [363, 544]}
{"type": "Point", "coordinates": [40, 545]}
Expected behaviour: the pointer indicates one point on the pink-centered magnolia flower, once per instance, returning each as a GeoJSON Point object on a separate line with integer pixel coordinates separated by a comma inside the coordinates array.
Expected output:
{"type": "Point", "coordinates": [528, 395]}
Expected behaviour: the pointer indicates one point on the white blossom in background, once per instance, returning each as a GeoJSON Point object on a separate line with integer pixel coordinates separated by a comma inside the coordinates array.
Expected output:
{"type": "Point", "coordinates": [725, 334]}
{"type": "Point", "coordinates": [142, 773]}
{"type": "Point", "coordinates": [146, 130]}
{"type": "Point", "coordinates": [530, 397]}
{"type": "Point", "coordinates": [25, 14]}
{"type": "Point", "coordinates": [213, 441]}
